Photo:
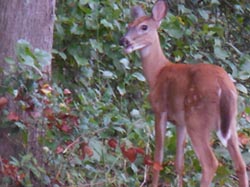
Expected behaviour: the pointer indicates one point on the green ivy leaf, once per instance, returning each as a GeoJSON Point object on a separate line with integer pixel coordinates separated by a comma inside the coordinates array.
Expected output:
{"type": "Point", "coordinates": [108, 74]}
{"type": "Point", "coordinates": [243, 75]}
{"type": "Point", "coordinates": [204, 14]}
{"type": "Point", "coordinates": [175, 32]}
{"type": "Point", "coordinates": [26, 158]}
{"type": "Point", "coordinates": [119, 129]}
{"type": "Point", "coordinates": [183, 9]}
{"type": "Point", "coordinates": [125, 63]}
{"type": "Point", "coordinates": [220, 53]}
{"type": "Point", "coordinates": [43, 57]}
{"type": "Point", "coordinates": [96, 45]}
{"type": "Point", "coordinates": [215, 2]}
{"type": "Point", "coordinates": [81, 61]}
{"type": "Point", "coordinates": [134, 168]}
{"type": "Point", "coordinates": [139, 76]}
{"type": "Point", "coordinates": [20, 125]}
{"type": "Point", "coordinates": [241, 88]}
{"type": "Point", "coordinates": [107, 24]}
{"type": "Point", "coordinates": [75, 29]}
{"type": "Point", "coordinates": [98, 149]}
{"type": "Point", "coordinates": [121, 90]}
{"type": "Point", "coordinates": [247, 110]}
{"type": "Point", "coordinates": [84, 2]}
{"type": "Point", "coordinates": [28, 61]}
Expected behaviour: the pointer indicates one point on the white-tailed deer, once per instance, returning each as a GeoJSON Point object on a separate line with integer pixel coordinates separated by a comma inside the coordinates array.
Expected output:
{"type": "Point", "coordinates": [198, 99]}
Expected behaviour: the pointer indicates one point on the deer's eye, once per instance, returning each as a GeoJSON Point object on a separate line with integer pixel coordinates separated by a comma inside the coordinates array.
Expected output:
{"type": "Point", "coordinates": [144, 27]}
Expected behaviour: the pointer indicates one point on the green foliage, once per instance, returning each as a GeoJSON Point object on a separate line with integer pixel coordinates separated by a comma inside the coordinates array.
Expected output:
{"type": "Point", "coordinates": [95, 115]}
{"type": "Point", "coordinates": [192, 32]}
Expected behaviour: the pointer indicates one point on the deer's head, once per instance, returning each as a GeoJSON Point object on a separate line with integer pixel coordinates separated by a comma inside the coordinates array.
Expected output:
{"type": "Point", "coordinates": [142, 31]}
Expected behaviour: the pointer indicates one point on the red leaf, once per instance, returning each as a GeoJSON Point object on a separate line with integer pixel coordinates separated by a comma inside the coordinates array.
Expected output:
{"type": "Point", "coordinates": [243, 138]}
{"type": "Point", "coordinates": [148, 161]}
{"type": "Point", "coordinates": [12, 116]}
{"type": "Point", "coordinates": [30, 106]}
{"type": "Point", "coordinates": [49, 113]}
{"type": "Point", "coordinates": [3, 102]}
{"type": "Point", "coordinates": [50, 125]}
{"type": "Point", "coordinates": [139, 150]}
{"type": "Point", "coordinates": [157, 166]}
{"type": "Point", "coordinates": [86, 150]}
{"type": "Point", "coordinates": [122, 147]}
{"type": "Point", "coordinates": [11, 171]}
{"type": "Point", "coordinates": [130, 153]}
{"type": "Point", "coordinates": [112, 143]}
{"type": "Point", "coordinates": [65, 128]}
{"type": "Point", "coordinates": [21, 176]}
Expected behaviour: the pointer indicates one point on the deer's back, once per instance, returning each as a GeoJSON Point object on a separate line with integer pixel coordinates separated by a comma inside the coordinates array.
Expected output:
{"type": "Point", "coordinates": [183, 88]}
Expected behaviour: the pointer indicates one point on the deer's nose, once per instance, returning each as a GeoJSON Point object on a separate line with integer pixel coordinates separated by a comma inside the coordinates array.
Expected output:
{"type": "Point", "coordinates": [124, 42]}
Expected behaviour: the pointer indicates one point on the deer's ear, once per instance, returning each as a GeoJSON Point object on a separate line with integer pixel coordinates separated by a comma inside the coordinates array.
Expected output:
{"type": "Point", "coordinates": [159, 10]}
{"type": "Point", "coordinates": [137, 12]}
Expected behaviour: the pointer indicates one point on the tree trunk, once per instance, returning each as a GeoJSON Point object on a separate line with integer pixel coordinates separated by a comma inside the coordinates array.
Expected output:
{"type": "Point", "coordinates": [33, 21]}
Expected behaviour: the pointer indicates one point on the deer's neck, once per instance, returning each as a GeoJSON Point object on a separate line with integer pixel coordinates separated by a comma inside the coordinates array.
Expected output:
{"type": "Point", "coordinates": [153, 60]}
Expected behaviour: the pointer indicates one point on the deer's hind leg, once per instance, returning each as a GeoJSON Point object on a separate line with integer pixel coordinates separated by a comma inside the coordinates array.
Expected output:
{"type": "Point", "coordinates": [199, 133]}
{"type": "Point", "coordinates": [239, 164]}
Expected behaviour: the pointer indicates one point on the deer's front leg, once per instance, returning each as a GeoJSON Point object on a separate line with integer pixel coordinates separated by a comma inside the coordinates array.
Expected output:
{"type": "Point", "coordinates": [160, 129]}
{"type": "Point", "coordinates": [179, 160]}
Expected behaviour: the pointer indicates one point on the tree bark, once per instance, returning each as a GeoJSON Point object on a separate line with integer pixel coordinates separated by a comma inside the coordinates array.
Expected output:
{"type": "Point", "coordinates": [32, 20]}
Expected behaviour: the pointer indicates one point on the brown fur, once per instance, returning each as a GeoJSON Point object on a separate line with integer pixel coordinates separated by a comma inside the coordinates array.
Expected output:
{"type": "Point", "coordinates": [183, 87]}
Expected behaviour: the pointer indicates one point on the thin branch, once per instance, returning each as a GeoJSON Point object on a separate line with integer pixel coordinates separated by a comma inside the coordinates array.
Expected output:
{"type": "Point", "coordinates": [71, 145]}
